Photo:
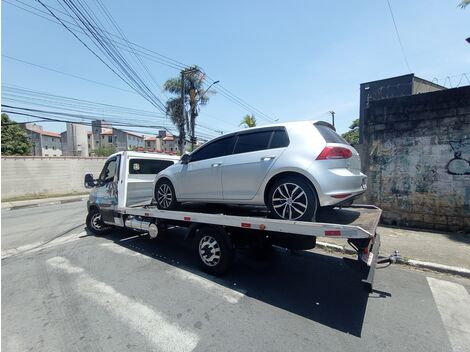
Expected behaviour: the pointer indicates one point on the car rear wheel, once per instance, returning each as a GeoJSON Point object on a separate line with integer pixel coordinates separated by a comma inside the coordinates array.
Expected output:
{"type": "Point", "coordinates": [292, 198]}
{"type": "Point", "coordinates": [214, 250]}
{"type": "Point", "coordinates": [165, 195]}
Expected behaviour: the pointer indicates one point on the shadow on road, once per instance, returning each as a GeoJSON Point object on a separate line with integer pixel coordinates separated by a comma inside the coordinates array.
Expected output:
{"type": "Point", "coordinates": [319, 287]}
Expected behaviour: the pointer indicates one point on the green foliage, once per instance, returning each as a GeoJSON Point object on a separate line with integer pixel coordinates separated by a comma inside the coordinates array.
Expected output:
{"type": "Point", "coordinates": [14, 138]}
{"type": "Point", "coordinates": [352, 136]}
{"type": "Point", "coordinates": [248, 121]}
{"type": "Point", "coordinates": [195, 95]}
{"type": "Point", "coordinates": [105, 151]}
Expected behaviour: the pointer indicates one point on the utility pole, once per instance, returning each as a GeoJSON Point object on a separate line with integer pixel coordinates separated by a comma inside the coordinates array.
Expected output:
{"type": "Point", "coordinates": [183, 116]}
{"type": "Point", "coordinates": [332, 117]}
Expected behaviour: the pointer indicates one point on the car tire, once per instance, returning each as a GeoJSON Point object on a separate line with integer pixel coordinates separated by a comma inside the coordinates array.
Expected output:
{"type": "Point", "coordinates": [292, 198]}
{"type": "Point", "coordinates": [165, 197]}
{"type": "Point", "coordinates": [95, 225]}
{"type": "Point", "coordinates": [213, 250]}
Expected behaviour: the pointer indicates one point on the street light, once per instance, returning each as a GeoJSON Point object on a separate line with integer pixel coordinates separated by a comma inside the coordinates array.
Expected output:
{"type": "Point", "coordinates": [215, 82]}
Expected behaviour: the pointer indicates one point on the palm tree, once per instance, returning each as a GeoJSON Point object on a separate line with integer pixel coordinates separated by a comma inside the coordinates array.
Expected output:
{"type": "Point", "coordinates": [194, 93]}
{"type": "Point", "coordinates": [249, 121]}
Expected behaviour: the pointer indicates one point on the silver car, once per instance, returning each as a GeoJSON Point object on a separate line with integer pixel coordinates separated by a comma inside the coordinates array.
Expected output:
{"type": "Point", "coordinates": [293, 168]}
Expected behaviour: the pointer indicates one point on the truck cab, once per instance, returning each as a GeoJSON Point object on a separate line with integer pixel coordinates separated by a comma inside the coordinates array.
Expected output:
{"type": "Point", "coordinates": [126, 180]}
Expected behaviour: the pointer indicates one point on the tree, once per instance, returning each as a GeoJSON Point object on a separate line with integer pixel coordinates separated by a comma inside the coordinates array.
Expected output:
{"type": "Point", "coordinates": [352, 136]}
{"type": "Point", "coordinates": [194, 94]}
{"type": "Point", "coordinates": [14, 138]}
{"type": "Point", "coordinates": [463, 4]}
{"type": "Point", "coordinates": [105, 151]}
{"type": "Point", "coordinates": [249, 121]}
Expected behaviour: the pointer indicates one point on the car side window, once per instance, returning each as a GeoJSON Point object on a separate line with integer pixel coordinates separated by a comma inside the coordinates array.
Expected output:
{"type": "Point", "coordinates": [147, 166]}
{"type": "Point", "coordinates": [279, 140]}
{"type": "Point", "coordinates": [109, 171]}
{"type": "Point", "coordinates": [250, 142]}
{"type": "Point", "coordinates": [220, 147]}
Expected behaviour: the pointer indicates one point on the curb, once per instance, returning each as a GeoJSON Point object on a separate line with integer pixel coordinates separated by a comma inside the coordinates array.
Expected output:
{"type": "Point", "coordinates": [411, 262]}
{"type": "Point", "coordinates": [40, 204]}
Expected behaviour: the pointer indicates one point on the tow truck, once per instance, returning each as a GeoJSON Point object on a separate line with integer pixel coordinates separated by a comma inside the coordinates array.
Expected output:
{"type": "Point", "coordinates": [122, 197]}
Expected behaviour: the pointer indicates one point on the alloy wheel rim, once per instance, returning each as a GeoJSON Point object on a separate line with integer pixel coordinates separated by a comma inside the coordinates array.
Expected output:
{"type": "Point", "coordinates": [96, 221]}
{"type": "Point", "coordinates": [289, 201]}
{"type": "Point", "coordinates": [209, 251]}
{"type": "Point", "coordinates": [164, 196]}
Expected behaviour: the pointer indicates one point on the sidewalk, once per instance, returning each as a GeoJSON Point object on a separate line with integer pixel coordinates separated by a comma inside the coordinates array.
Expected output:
{"type": "Point", "coordinates": [439, 248]}
{"type": "Point", "coordinates": [44, 201]}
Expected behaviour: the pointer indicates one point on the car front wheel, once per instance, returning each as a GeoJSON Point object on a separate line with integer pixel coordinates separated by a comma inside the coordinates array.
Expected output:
{"type": "Point", "coordinates": [165, 195]}
{"type": "Point", "coordinates": [292, 198]}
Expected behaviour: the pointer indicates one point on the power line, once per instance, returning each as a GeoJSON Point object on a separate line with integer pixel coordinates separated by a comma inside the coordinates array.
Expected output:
{"type": "Point", "coordinates": [398, 36]}
{"type": "Point", "coordinates": [146, 53]}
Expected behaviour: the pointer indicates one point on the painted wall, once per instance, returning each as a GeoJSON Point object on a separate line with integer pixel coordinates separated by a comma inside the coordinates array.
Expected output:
{"type": "Point", "coordinates": [416, 154]}
{"type": "Point", "coordinates": [24, 176]}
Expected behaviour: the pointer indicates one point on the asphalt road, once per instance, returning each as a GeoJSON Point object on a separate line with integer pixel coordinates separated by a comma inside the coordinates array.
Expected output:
{"type": "Point", "coordinates": [122, 292]}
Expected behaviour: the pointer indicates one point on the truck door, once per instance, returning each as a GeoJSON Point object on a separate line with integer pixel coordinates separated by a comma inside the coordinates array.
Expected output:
{"type": "Point", "coordinates": [106, 191]}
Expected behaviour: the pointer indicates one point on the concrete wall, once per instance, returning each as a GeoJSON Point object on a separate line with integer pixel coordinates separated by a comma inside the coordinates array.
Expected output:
{"type": "Point", "coordinates": [417, 156]}
{"type": "Point", "coordinates": [25, 176]}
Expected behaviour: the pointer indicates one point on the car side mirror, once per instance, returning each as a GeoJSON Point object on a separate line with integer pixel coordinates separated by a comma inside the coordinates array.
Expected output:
{"type": "Point", "coordinates": [89, 181]}
{"type": "Point", "coordinates": [186, 158]}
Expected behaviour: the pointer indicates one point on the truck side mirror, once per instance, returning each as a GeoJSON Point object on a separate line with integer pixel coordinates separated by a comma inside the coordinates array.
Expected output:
{"type": "Point", "coordinates": [186, 158]}
{"type": "Point", "coordinates": [89, 181]}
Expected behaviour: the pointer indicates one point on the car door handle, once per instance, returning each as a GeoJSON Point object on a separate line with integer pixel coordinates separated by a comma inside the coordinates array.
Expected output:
{"type": "Point", "coordinates": [267, 158]}
{"type": "Point", "coordinates": [216, 164]}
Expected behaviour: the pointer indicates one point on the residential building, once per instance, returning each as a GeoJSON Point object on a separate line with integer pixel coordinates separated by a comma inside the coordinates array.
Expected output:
{"type": "Point", "coordinates": [104, 135]}
{"type": "Point", "coordinates": [43, 143]}
{"type": "Point", "coordinates": [74, 140]}
{"type": "Point", "coordinates": [393, 87]}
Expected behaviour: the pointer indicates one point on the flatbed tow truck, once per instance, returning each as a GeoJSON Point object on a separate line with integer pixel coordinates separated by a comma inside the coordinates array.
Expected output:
{"type": "Point", "coordinates": [217, 231]}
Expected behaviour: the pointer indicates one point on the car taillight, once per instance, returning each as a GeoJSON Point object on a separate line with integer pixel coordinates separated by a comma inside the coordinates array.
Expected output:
{"type": "Point", "coordinates": [334, 153]}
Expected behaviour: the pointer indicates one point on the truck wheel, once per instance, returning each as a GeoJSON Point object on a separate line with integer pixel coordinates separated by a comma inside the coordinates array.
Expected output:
{"type": "Point", "coordinates": [291, 198]}
{"type": "Point", "coordinates": [165, 196]}
{"type": "Point", "coordinates": [214, 250]}
{"type": "Point", "coordinates": [95, 225]}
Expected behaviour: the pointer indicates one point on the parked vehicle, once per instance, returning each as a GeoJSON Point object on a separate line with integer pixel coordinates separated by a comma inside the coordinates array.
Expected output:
{"type": "Point", "coordinates": [121, 197]}
{"type": "Point", "coordinates": [293, 168]}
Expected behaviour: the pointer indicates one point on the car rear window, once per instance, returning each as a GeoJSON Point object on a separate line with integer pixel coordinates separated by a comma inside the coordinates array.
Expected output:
{"type": "Point", "coordinates": [329, 135]}
{"type": "Point", "coordinates": [250, 142]}
{"type": "Point", "coordinates": [279, 139]}
{"type": "Point", "coordinates": [148, 166]}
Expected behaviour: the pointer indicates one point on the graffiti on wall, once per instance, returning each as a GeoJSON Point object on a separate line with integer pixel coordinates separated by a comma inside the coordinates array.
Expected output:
{"type": "Point", "coordinates": [459, 165]}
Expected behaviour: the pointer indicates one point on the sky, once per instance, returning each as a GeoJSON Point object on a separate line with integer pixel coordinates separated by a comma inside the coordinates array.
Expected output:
{"type": "Point", "coordinates": [291, 60]}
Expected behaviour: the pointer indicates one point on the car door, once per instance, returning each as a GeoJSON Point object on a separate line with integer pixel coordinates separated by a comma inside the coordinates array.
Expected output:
{"type": "Point", "coordinates": [106, 191]}
{"type": "Point", "coordinates": [200, 179]}
{"type": "Point", "coordinates": [254, 155]}
{"type": "Point", "coordinates": [141, 175]}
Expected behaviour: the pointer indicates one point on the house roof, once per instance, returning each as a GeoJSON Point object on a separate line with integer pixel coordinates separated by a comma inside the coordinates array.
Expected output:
{"type": "Point", "coordinates": [44, 133]}
{"type": "Point", "coordinates": [107, 132]}
{"type": "Point", "coordinates": [169, 137]}
{"type": "Point", "coordinates": [134, 134]}
{"type": "Point", "coordinates": [150, 138]}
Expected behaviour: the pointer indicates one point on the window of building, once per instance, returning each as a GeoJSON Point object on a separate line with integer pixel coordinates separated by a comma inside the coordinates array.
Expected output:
{"type": "Point", "coordinates": [46, 147]}
{"type": "Point", "coordinates": [53, 147]}
{"type": "Point", "coordinates": [110, 139]}
{"type": "Point", "coordinates": [147, 166]}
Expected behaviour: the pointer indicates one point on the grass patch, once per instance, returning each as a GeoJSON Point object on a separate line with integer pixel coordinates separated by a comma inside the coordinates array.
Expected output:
{"type": "Point", "coordinates": [43, 196]}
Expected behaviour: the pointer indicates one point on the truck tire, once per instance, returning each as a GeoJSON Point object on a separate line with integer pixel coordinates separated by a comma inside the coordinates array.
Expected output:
{"type": "Point", "coordinates": [95, 225]}
{"type": "Point", "coordinates": [165, 196]}
{"type": "Point", "coordinates": [214, 250]}
{"type": "Point", "coordinates": [292, 198]}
